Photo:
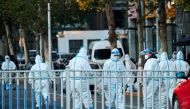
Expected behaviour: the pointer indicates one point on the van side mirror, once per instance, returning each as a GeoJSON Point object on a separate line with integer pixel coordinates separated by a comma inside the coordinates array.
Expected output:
{"type": "Point", "coordinates": [181, 75]}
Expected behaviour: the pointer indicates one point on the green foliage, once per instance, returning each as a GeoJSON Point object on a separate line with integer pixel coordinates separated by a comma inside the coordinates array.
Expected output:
{"type": "Point", "coordinates": [91, 5]}
{"type": "Point", "coordinates": [5, 9]}
{"type": "Point", "coordinates": [184, 3]}
{"type": "Point", "coordinates": [32, 14]}
{"type": "Point", "coordinates": [22, 11]}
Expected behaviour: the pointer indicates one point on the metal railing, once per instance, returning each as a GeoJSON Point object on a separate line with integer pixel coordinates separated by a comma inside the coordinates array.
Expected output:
{"type": "Point", "coordinates": [21, 94]}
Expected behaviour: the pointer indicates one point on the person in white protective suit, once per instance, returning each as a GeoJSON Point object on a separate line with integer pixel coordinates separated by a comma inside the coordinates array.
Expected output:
{"type": "Point", "coordinates": [7, 65]}
{"type": "Point", "coordinates": [129, 65]}
{"type": "Point", "coordinates": [79, 85]}
{"type": "Point", "coordinates": [113, 67]}
{"type": "Point", "coordinates": [150, 86]}
{"type": "Point", "coordinates": [167, 83]}
{"type": "Point", "coordinates": [181, 65]}
{"type": "Point", "coordinates": [41, 81]}
{"type": "Point", "coordinates": [174, 56]}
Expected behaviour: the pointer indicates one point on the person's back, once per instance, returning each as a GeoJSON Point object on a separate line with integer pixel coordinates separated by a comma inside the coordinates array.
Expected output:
{"type": "Point", "coordinates": [150, 85]}
{"type": "Point", "coordinates": [129, 65]}
{"type": "Point", "coordinates": [168, 83]}
{"type": "Point", "coordinates": [39, 72]}
{"type": "Point", "coordinates": [151, 65]}
{"type": "Point", "coordinates": [79, 84]}
{"type": "Point", "coordinates": [166, 64]}
{"type": "Point", "coordinates": [180, 64]}
{"type": "Point", "coordinates": [79, 62]}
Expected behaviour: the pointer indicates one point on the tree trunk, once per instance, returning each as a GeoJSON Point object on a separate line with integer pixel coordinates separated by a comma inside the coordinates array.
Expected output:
{"type": "Point", "coordinates": [37, 41]}
{"type": "Point", "coordinates": [25, 44]}
{"type": "Point", "coordinates": [9, 39]}
{"type": "Point", "coordinates": [6, 46]}
{"type": "Point", "coordinates": [140, 33]}
{"type": "Point", "coordinates": [46, 54]}
{"type": "Point", "coordinates": [162, 25]}
{"type": "Point", "coordinates": [111, 24]}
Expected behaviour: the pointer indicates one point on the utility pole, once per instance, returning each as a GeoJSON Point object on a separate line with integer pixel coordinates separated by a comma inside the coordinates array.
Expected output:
{"type": "Point", "coordinates": [157, 30]}
{"type": "Point", "coordinates": [49, 34]}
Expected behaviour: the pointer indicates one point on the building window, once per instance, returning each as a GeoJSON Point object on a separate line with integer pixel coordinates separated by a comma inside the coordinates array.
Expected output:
{"type": "Point", "coordinates": [75, 45]}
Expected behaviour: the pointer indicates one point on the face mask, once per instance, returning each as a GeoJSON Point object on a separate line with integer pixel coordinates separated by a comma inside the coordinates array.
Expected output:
{"type": "Point", "coordinates": [115, 58]}
{"type": "Point", "coordinates": [146, 57]}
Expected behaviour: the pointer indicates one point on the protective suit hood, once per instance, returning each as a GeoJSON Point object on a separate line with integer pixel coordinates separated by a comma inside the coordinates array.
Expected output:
{"type": "Point", "coordinates": [164, 56]}
{"type": "Point", "coordinates": [38, 59]}
{"type": "Point", "coordinates": [179, 55]}
{"type": "Point", "coordinates": [127, 57]}
{"type": "Point", "coordinates": [7, 58]}
{"type": "Point", "coordinates": [115, 54]}
{"type": "Point", "coordinates": [83, 53]}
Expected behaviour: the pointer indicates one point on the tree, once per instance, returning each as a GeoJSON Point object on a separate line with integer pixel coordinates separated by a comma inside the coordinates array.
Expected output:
{"type": "Point", "coordinates": [140, 23]}
{"type": "Point", "coordinates": [22, 11]}
{"type": "Point", "coordinates": [6, 14]}
{"type": "Point", "coordinates": [111, 24]}
{"type": "Point", "coordinates": [184, 3]}
{"type": "Point", "coordinates": [98, 5]}
{"type": "Point", "coordinates": [162, 25]}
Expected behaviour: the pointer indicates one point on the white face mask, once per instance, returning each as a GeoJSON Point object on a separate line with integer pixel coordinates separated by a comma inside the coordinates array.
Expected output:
{"type": "Point", "coordinates": [146, 56]}
{"type": "Point", "coordinates": [115, 58]}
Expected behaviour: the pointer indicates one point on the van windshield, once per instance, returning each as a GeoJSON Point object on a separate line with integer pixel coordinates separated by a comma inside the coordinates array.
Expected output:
{"type": "Point", "coordinates": [104, 53]}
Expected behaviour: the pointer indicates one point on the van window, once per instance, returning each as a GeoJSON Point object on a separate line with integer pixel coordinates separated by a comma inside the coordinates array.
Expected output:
{"type": "Point", "coordinates": [104, 53]}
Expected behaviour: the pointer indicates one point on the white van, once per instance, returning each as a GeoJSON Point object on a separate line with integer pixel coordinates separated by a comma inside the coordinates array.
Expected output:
{"type": "Point", "coordinates": [101, 51]}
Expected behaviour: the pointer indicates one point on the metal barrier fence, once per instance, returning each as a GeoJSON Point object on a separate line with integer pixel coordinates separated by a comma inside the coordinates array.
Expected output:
{"type": "Point", "coordinates": [21, 94]}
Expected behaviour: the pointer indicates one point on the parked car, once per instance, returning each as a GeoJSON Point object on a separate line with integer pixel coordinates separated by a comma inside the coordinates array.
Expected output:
{"type": "Point", "coordinates": [181, 94]}
{"type": "Point", "coordinates": [32, 56]}
{"type": "Point", "coordinates": [100, 51]}
{"type": "Point", "coordinates": [62, 61]}
{"type": "Point", "coordinates": [66, 57]}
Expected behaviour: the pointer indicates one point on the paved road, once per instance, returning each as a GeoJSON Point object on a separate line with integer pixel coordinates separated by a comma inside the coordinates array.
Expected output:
{"type": "Point", "coordinates": [58, 98]}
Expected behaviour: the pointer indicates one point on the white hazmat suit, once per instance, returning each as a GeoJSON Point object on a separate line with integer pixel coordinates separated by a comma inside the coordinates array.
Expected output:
{"type": "Point", "coordinates": [114, 65]}
{"type": "Point", "coordinates": [167, 84]}
{"type": "Point", "coordinates": [129, 65]}
{"type": "Point", "coordinates": [7, 65]}
{"type": "Point", "coordinates": [150, 86]}
{"type": "Point", "coordinates": [39, 70]}
{"type": "Point", "coordinates": [180, 64]}
{"type": "Point", "coordinates": [80, 86]}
